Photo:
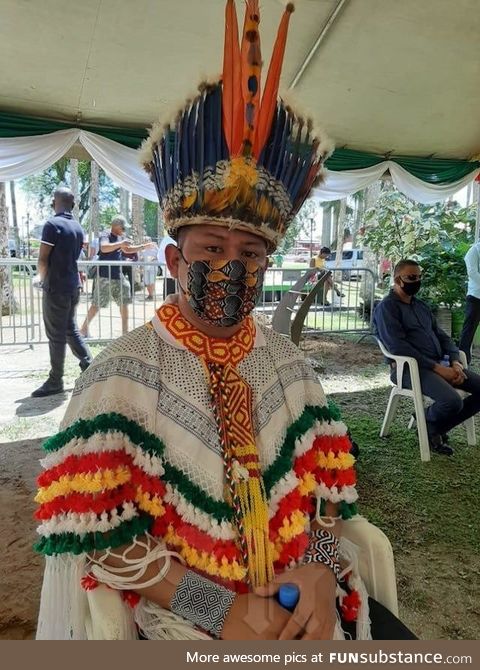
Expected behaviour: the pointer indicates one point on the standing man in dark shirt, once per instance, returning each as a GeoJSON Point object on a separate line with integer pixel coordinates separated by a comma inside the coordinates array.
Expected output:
{"type": "Point", "coordinates": [62, 240]}
{"type": "Point", "coordinates": [407, 327]}
{"type": "Point", "coordinates": [112, 283]}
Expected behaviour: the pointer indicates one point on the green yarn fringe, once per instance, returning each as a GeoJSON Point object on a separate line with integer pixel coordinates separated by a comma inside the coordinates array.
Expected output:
{"type": "Point", "coordinates": [105, 423]}
{"type": "Point", "coordinates": [75, 544]}
{"type": "Point", "coordinates": [219, 510]}
{"type": "Point", "coordinates": [283, 462]}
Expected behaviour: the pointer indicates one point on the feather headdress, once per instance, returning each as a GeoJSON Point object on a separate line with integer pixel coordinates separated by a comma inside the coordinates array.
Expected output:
{"type": "Point", "coordinates": [234, 156]}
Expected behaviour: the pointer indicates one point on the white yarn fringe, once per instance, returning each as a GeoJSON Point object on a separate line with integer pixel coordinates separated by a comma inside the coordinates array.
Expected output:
{"type": "Point", "coordinates": [63, 602]}
{"type": "Point", "coordinates": [128, 576]}
{"type": "Point", "coordinates": [157, 623]}
{"type": "Point", "coordinates": [349, 553]}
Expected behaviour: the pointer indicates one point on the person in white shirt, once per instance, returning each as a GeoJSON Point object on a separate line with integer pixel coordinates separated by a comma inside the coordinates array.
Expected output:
{"type": "Point", "coordinates": [149, 257]}
{"type": "Point", "coordinates": [169, 283]}
{"type": "Point", "coordinates": [472, 307]}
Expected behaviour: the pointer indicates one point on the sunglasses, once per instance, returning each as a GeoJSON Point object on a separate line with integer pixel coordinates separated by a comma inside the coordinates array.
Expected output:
{"type": "Point", "coordinates": [411, 277]}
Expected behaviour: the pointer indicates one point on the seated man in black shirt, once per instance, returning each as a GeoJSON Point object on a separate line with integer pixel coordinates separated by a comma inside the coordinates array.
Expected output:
{"type": "Point", "coordinates": [407, 327]}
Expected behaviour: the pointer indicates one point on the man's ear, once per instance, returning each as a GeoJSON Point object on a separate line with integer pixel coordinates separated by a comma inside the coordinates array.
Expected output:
{"type": "Point", "coordinates": [172, 257]}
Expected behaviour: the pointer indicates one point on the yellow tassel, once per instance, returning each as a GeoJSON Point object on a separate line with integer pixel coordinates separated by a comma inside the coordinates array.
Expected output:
{"type": "Point", "coordinates": [255, 523]}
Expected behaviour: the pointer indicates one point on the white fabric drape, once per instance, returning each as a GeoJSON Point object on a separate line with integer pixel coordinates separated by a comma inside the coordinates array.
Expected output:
{"type": "Point", "coordinates": [23, 156]}
{"type": "Point", "coordinates": [338, 185]}
{"type": "Point", "coordinates": [120, 163]}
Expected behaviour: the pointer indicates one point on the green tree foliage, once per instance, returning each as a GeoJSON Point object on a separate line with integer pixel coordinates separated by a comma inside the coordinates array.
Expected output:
{"type": "Point", "coordinates": [437, 236]}
{"type": "Point", "coordinates": [301, 225]}
{"type": "Point", "coordinates": [151, 219]}
{"type": "Point", "coordinates": [396, 227]}
{"type": "Point", "coordinates": [39, 189]}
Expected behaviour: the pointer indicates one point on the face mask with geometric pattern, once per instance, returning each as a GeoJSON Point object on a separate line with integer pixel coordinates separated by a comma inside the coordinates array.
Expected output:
{"type": "Point", "coordinates": [223, 292]}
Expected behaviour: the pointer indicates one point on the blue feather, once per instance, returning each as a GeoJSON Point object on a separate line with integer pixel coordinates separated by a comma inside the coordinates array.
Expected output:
{"type": "Point", "coordinates": [157, 174]}
{"type": "Point", "coordinates": [176, 153]}
{"type": "Point", "coordinates": [217, 121]}
{"type": "Point", "coordinates": [200, 166]}
{"type": "Point", "coordinates": [209, 133]}
{"type": "Point", "coordinates": [192, 120]}
{"type": "Point", "coordinates": [184, 155]}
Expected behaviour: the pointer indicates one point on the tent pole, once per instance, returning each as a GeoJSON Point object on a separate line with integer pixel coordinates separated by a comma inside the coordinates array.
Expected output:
{"type": "Point", "coordinates": [477, 220]}
{"type": "Point", "coordinates": [319, 40]}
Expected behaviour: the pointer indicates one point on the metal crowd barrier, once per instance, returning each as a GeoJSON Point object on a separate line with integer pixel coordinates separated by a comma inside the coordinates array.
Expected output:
{"type": "Point", "coordinates": [23, 324]}
{"type": "Point", "coordinates": [327, 301]}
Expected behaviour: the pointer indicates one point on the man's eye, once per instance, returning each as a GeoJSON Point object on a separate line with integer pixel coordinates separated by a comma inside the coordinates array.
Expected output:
{"type": "Point", "coordinates": [250, 254]}
{"type": "Point", "coordinates": [213, 250]}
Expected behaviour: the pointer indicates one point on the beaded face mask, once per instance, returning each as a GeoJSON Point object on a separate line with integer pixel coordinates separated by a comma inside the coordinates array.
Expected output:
{"type": "Point", "coordinates": [223, 292]}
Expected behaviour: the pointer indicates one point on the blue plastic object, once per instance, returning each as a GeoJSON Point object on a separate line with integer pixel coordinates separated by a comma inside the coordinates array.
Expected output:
{"type": "Point", "coordinates": [445, 361]}
{"type": "Point", "coordinates": [288, 596]}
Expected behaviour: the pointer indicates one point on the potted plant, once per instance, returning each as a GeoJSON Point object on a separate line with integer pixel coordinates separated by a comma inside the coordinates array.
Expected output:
{"type": "Point", "coordinates": [444, 282]}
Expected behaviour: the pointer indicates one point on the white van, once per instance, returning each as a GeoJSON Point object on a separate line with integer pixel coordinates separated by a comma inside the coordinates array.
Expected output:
{"type": "Point", "coordinates": [351, 259]}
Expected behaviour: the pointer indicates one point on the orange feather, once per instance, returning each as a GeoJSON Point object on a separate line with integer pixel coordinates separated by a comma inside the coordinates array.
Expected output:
{"type": "Point", "coordinates": [251, 70]}
{"type": "Point", "coordinates": [232, 103]}
{"type": "Point", "coordinates": [269, 98]}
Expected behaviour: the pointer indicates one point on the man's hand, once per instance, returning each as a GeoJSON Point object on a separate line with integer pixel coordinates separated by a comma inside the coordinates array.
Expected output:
{"type": "Point", "coordinates": [461, 376]}
{"type": "Point", "coordinates": [126, 244]}
{"type": "Point", "coordinates": [452, 375]}
{"type": "Point", "coordinates": [252, 617]}
{"type": "Point", "coordinates": [315, 614]}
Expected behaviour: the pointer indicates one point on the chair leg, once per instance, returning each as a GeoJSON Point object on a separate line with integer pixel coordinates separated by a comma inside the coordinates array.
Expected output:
{"type": "Point", "coordinates": [471, 436]}
{"type": "Point", "coordinates": [422, 428]}
{"type": "Point", "coordinates": [390, 413]}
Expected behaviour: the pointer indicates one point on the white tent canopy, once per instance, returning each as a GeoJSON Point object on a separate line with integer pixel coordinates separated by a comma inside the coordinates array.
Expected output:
{"type": "Point", "coordinates": [381, 76]}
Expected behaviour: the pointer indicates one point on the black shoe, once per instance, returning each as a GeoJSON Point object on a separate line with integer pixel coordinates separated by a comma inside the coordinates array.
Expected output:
{"type": "Point", "coordinates": [47, 389]}
{"type": "Point", "coordinates": [439, 447]}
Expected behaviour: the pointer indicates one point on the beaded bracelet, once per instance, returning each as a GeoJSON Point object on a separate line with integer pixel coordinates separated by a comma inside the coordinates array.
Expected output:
{"type": "Point", "coordinates": [323, 548]}
{"type": "Point", "coordinates": [202, 602]}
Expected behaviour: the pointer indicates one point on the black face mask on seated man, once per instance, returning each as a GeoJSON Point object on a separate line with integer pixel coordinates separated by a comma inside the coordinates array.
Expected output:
{"type": "Point", "coordinates": [412, 287]}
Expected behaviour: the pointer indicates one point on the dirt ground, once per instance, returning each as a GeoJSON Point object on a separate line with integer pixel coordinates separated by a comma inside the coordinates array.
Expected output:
{"type": "Point", "coordinates": [344, 366]}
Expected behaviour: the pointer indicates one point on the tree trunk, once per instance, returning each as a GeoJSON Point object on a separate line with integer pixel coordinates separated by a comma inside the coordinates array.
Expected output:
{"type": "Point", "coordinates": [360, 211]}
{"type": "Point", "coordinates": [94, 201]}
{"type": "Point", "coordinates": [476, 191]}
{"type": "Point", "coordinates": [371, 194]}
{"type": "Point", "coordinates": [124, 197]}
{"type": "Point", "coordinates": [7, 298]}
{"type": "Point", "coordinates": [16, 232]}
{"type": "Point", "coordinates": [342, 213]}
{"type": "Point", "coordinates": [327, 227]}
{"type": "Point", "coordinates": [138, 218]}
{"type": "Point", "coordinates": [160, 224]}
{"type": "Point", "coordinates": [74, 185]}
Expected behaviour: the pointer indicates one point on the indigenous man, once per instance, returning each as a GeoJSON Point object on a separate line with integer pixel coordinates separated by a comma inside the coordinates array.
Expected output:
{"type": "Point", "coordinates": [198, 459]}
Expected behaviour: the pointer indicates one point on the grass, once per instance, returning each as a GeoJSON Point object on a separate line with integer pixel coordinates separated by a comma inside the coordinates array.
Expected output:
{"type": "Point", "coordinates": [430, 513]}
{"type": "Point", "coordinates": [414, 502]}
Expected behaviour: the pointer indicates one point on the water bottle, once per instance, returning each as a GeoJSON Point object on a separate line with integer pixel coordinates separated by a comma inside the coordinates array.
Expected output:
{"type": "Point", "coordinates": [288, 596]}
{"type": "Point", "coordinates": [445, 361]}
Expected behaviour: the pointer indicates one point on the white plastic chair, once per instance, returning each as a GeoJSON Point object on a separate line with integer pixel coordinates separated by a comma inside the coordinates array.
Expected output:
{"type": "Point", "coordinates": [419, 401]}
{"type": "Point", "coordinates": [109, 618]}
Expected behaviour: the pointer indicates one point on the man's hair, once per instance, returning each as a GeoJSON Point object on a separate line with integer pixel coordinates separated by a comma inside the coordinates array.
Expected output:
{"type": "Point", "coordinates": [119, 220]}
{"type": "Point", "coordinates": [325, 250]}
{"type": "Point", "coordinates": [401, 265]}
{"type": "Point", "coordinates": [65, 197]}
